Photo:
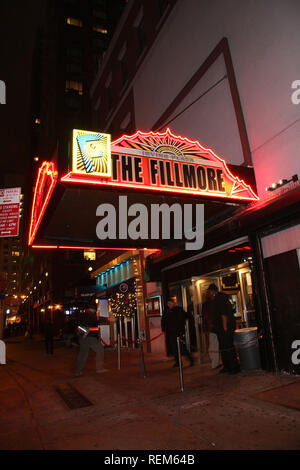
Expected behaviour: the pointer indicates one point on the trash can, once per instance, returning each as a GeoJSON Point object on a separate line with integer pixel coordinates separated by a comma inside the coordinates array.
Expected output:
{"type": "Point", "coordinates": [246, 342]}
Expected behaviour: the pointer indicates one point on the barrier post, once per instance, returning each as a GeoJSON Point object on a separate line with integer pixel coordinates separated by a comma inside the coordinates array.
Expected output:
{"type": "Point", "coordinates": [119, 352]}
{"type": "Point", "coordinates": [180, 365]}
{"type": "Point", "coordinates": [132, 331]}
{"type": "Point", "coordinates": [187, 336]}
{"type": "Point", "coordinates": [126, 332]}
{"type": "Point", "coordinates": [142, 358]}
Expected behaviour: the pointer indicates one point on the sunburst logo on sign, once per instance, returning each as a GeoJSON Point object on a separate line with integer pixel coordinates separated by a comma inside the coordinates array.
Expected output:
{"type": "Point", "coordinates": [91, 153]}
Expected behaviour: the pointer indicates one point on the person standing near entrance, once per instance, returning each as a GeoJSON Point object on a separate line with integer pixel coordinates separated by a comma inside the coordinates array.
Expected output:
{"type": "Point", "coordinates": [223, 322]}
{"type": "Point", "coordinates": [89, 340]}
{"type": "Point", "coordinates": [174, 326]}
{"type": "Point", "coordinates": [212, 343]}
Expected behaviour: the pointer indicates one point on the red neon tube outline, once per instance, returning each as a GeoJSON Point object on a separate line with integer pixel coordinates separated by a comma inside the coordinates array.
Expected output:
{"type": "Point", "coordinates": [46, 169]}
{"type": "Point", "coordinates": [64, 247]}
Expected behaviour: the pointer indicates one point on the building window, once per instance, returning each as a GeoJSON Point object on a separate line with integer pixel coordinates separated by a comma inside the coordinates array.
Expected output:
{"type": "Point", "coordinates": [89, 255]}
{"type": "Point", "coordinates": [74, 22]}
{"type": "Point", "coordinates": [72, 85]}
{"type": "Point", "coordinates": [99, 29]}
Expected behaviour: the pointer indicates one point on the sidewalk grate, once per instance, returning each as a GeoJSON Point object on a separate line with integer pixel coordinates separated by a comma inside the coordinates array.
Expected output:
{"type": "Point", "coordinates": [72, 397]}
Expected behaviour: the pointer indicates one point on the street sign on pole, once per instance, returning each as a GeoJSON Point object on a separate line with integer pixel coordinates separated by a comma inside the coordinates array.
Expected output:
{"type": "Point", "coordinates": [9, 212]}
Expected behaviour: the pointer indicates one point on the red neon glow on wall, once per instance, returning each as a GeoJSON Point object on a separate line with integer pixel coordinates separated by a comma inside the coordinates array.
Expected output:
{"type": "Point", "coordinates": [46, 180]}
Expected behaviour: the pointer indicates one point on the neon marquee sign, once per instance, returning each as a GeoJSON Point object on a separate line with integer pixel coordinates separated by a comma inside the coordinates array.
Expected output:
{"type": "Point", "coordinates": [159, 162]}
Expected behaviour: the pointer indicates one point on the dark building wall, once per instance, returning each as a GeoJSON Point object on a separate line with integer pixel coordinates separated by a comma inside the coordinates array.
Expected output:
{"type": "Point", "coordinates": [283, 274]}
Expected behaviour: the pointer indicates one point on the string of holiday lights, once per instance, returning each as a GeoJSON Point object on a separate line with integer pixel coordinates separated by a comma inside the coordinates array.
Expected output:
{"type": "Point", "coordinates": [123, 305]}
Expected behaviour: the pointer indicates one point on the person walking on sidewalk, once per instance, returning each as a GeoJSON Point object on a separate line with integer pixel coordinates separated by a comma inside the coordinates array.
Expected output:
{"type": "Point", "coordinates": [89, 340]}
{"type": "Point", "coordinates": [175, 321]}
{"type": "Point", "coordinates": [224, 325]}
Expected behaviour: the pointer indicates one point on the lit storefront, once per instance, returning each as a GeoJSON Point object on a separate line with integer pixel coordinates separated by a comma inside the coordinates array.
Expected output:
{"type": "Point", "coordinates": [122, 295]}
{"type": "Point", "coordinates": [137, 172]}
{"type": "Point", "coordinates": [230, 270]}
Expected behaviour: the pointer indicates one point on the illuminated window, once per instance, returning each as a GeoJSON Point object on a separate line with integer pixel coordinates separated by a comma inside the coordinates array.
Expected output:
{"type": "Point", "coordinates": [89, 255]}
{"type": "Point", "coordinates": [37, 121]}
{"type": "Point", "coordinates": [72, 85]}
{"type": "Point", "coordinates": [15, 253]}
{"type": "Point", "coordinates": [98, 29]}
{"type": "Point", "coordinates": [74, 22]}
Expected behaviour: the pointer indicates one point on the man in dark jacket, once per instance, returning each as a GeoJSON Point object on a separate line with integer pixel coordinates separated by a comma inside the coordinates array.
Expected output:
{"type": "Point", "coordinates": [89, 340]}
{"type": "Point", "coordinates": [224, 326]}
{"type": "Point", "coordinates": [174, 326]}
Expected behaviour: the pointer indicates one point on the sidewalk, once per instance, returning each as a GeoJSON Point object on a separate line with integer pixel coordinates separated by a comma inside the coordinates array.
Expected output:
{"type": "Point", "coordinates": [129, 412]}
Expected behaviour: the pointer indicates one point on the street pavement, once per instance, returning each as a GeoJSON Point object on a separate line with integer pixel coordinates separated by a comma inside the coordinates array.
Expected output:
{"type": "Point", "coordinates": [131, 412]}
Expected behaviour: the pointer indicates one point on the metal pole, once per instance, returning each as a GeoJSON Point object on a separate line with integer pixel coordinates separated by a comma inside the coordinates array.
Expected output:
{"type": "Point", "coordinates": [198, 325]}
{"type": "Point", "coordinates": [132, 331]}
{"type": "Point", "coordinates": [2, 317]}
{"type": "Point", "coordinates": [126, 332]}
{"type": "Point", "coordinates": [119, 352]}
{"type": "Point", "coordinates": [180, 365]}
{"type": "Point", "coordinates": [120, 330]}
{"type": "Point", "coordinates": [187, 335]}
{"type": "Point", "coordinates": [142, 358]}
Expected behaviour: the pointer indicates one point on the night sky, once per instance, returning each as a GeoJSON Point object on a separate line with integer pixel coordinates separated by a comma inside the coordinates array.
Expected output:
{"type": "Point", "coordinates": [19, 22]}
